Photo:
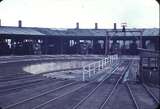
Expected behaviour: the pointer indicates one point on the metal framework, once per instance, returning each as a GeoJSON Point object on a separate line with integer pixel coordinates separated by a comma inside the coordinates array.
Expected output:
{"type": "Point", "coordinates": [114, 34]}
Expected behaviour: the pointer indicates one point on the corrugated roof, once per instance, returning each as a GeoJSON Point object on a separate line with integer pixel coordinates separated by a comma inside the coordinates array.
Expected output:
{"type": "Point", "coordinates": [97, 32]}
{"type": "Point", "coordinates": [86, 32]}
{"type": "Point", "coordinates": [151, 32]}
{"type": "Point", "coordinates": [51, 32]}
{"type": "Point", "coordinates": [76, 32]}
{"type": "Point", "coordinates": [19, 31]}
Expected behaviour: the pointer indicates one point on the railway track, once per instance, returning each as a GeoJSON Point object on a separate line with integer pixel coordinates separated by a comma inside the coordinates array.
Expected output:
{"type": "Point", "coordinates": [143, 99]}
{"type": "Point", "coordinates": [16, 77]}
{"type": "Point", "coordinates": [17, 97]}
{"type": "Point", "coordinates": [78, 94]}
{"type": "Point", "coordinates": [16, 82]}
{"type": "Point", "coordinates": [132, 101]}
{"type": "Point", "coordinates": [21, 82]}
{"type": "Point", "coordinates": [81, 95]}
{"type": "Point", "coordinates": [120, 99]}
{"type": "Point", "coordinates": [7, 86]}
{"type": "Point", "coordinates": [37, 97]}
{"type": "Point", "coordinates": [50, 95]}
{"type": "Point", "coordinates": [151, 93]}
{"type": "Point", "coordinates": [109, 95]}
{"type": "Point", "coordinates": [18, 87]}
{"type": "Point", "coordinates": [155, 92]}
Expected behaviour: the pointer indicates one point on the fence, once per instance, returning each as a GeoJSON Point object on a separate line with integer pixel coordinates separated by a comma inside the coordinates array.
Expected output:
{"type": "Point", "coordinates": [91, 69]}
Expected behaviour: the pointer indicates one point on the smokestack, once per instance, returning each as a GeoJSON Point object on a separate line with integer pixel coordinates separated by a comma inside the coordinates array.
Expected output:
{"type": "Point", "coordinates": [96, 25]}
{"type": "Point", "coordinates": [20, 23]}
{"type": "Point", "coordinates": [124, 27]}
{"type": "Point", "coordinates": [115, 26]}
{"type": "Point", "coordinates": [77, 25]}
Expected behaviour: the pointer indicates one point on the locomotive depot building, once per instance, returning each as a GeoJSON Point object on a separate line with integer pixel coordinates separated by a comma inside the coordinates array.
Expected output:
{"type": "Point", "coordinates": [75, 68]}
{"type": "Point", "coordinates": [34, 40]}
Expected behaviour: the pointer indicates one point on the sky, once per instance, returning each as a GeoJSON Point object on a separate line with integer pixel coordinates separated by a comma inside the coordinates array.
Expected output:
{"type": "Point", "coordinates": [65, 13]}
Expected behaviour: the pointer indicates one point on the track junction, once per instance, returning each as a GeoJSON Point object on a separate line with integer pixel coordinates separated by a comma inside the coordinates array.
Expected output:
{"type": "Point", "coordinates": [23, 90]}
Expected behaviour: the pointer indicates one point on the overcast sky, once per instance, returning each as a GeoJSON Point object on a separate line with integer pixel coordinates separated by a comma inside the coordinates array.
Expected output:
{"type": "Point", "coordinates": [65, 13]}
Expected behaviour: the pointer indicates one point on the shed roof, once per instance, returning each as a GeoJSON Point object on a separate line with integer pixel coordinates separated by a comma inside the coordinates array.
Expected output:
{"type": "Point", "coordinates": [76, 32]}
{"type": "Point", "coordinates": [97, 32]}
{"type": "Point", "coordinates": [19, 31]}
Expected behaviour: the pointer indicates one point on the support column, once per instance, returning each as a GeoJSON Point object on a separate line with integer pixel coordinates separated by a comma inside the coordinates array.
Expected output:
{"type": "Point", "coordinates": [94, 46]}
{"type": "Point", "coordinates": [103, 47]}
{"type": "Point", "coordinates": [140, 41]}
{"type": "Point", "coordinates": [149, 62]}
{"type": "Point", "coordinates": [143, 43]}
{"type": "Point", "coordinates": [107, 45]}
{"type": "Point", "coordinates": [124, 43]}
{"type": "Point", "coordinates": [158, 47]}
{"type": "Point", "coordinates": [157, 44]}
{"type": "Point", "coordinates": [12, 47]}
{"type": "Point", "coordinates": [45, 44]}
{"type": "Point", "coordinates": [61, 46]}
{"type": "Point", "coordinates": [66, 43]}
{"type": "Point", "coordinates": [78, 46]}
{"type": "Point", "coordinates": [141, 69]}
{"type": "Point", "coordinates": [123, 47]}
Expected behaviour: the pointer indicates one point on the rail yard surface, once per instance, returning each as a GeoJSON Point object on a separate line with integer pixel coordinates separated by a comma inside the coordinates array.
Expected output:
{"type": "Point", "coordinates": [20, 89]}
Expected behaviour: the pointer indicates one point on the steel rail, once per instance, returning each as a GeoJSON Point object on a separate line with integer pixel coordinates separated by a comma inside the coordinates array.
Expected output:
{"type": "Point", "coordinates": [132, 96]}
{"type": "Point", "coordinates": [150, 93]}
{"type": "Point", "coordinates": [42, 94]}
{"type": "Point", "coordinates": [51, 100]}
{"type": "Point", "coordinates": [26, 86]}
{"type": "Point", "coordinates": [14, 77]}
{"type": "Point", "coordinates": [12, 105]}
{"type": "Point", "coordinates": [113, 89]}
{"type": "Point", "coordinates": [8, 75]}
{"type": "Point", "coordinates": [84, 99]}
{"type": "Point", "coordinates": [45, 103]}
{"type": "Point", "coordinates": [24, 83]}
{"type": "Point", "coordinates": [27, 77]}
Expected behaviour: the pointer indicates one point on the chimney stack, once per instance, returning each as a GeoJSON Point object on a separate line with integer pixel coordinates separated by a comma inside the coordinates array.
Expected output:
{"type": "Point", "coordinates": [124, 27]}
{"type": "Point", "coordinates": [96, 25]}
{"type": "Point", "coordinates": [77, 25]}
{"type": "Point", "coordinates": [20, 23]}
{"type": "Point", "coordinates": [115, 26]}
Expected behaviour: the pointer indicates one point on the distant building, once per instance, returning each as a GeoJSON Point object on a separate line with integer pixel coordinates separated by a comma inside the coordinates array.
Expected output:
{"type": "Point", "coordinates": [24, 40]}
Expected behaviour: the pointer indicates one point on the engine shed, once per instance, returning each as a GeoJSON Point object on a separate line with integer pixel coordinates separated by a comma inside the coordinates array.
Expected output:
{"type": "Point", "coordinates": [34, 40]}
